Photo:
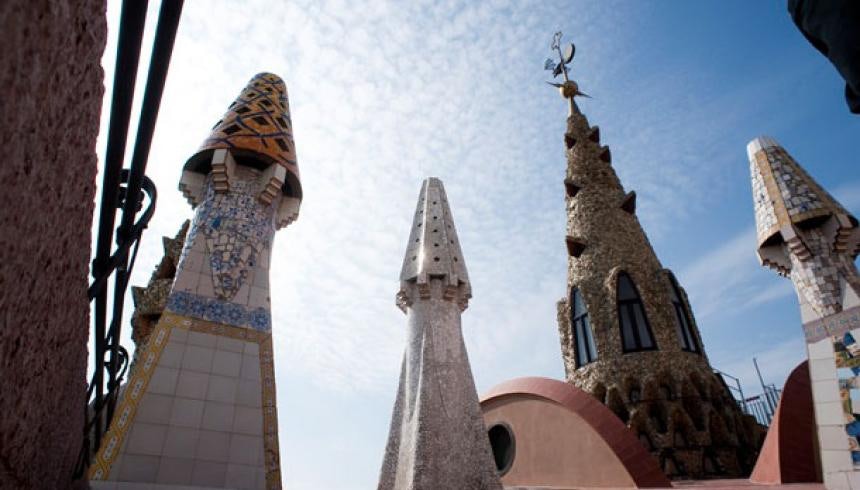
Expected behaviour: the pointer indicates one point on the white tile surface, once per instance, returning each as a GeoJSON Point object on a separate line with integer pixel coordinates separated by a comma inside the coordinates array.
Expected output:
{"type": "Point", "coordinates": [205, 286]}
{"type": "Point", "coordinates": [250, 367]}
{"type": "Point", "coordinates": [154, 408]}
{"type": "Point", "coordinates": [836, 481]}
{"type": "Point", "coordinates": [250, 394]}
{"type": "Point", "coordinates": [259, 297]}
{"type": "Point", "coordinates": [823, 349]}
{"type": "Point", "coordinates": [181, 442]}
{"type": "Point", "coordinates": [171, 356]}
{"type": "Point", "coordinates": [139, 468]}
{"type": "Point", "coordinates": [192, 384]}
{"type": "Point", "coordinates": [854, 480]}
{"type": "Point", "coordinates": [197, 358]}
{"type": "Point", "coordinates": [222, 389]}
{"type": "Point", "coordinates": [829, 413]}
{"type": "Point", "coordinates": [230, 345]}
{"type": "Point", "coordinates": [825, 391]}
{"type": "Point", "coordinates": [176, 471]}
{"type": "Point", "coordinates": [226, 363]}
{"type": "Point", "coordinates": [186, 413]}
{"type": "Point", "coordinates": [218, 416]}
{"type": "Point", "coordinates": [202, 339]}
{"type": "Point", "coordinates": [146, 439]}
{"type": "Point", "coordinates": [242, 477]}
{"type": "Point", "coordinates": [252, 348]}
{"type": "Point", "coordinates": [248, 421]}
{"type": "Point", "coordinates": [246, 449]}
{"type": "Point", "coordinates": [833, 437]}
{"type": "Point", "coordinates": [163, 381]}
{"type": "Point", "coordinates": [835, 461]}
{"type": "Point", "coordinates": [213, 446]}
{"type": "Point", "coordinates": [821, 369]}
{"type": "Point", "coordinates": [178, 334]}
{"type": "Point", "coordinates": [209, 474]}
{"type": "Point", "coordinates": [261, 479]}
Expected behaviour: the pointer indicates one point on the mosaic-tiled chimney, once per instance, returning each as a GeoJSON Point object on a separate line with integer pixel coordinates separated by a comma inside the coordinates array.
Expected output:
{"type": "Point", "coordinates": [628, 334]}
{"type": "Point", "coordinates": [805, 234]}
{"type": "Point", "coordinates": [437, 438]}
{"type": "Point", "coordinates": [199, 407]}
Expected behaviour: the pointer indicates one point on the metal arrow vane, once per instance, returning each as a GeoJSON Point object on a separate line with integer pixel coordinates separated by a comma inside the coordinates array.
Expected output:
{"type": "Point", "coordinates": [565, 57]}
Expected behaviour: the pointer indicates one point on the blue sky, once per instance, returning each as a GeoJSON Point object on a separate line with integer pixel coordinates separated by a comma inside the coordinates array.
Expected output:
{"type": "Point", "coordinates": [385, 94]}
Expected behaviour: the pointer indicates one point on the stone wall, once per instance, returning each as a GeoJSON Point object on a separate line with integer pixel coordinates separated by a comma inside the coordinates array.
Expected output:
{"type": "Point", "coordinates": [51, 95]}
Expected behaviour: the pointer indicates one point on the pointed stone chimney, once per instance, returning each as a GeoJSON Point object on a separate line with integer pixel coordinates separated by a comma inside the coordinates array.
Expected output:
{"type": "Point", "coordinates": [437, 437]}
{"type": "Point", "coordinates": [627, 330]}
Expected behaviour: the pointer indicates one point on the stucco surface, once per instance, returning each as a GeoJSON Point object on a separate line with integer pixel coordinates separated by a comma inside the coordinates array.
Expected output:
{"type": "Point", "coordinates": [51, 95]}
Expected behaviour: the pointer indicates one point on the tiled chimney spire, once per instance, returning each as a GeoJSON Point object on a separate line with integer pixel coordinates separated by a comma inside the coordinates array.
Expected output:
{"type": "Point", "coordinates": [805, 234]}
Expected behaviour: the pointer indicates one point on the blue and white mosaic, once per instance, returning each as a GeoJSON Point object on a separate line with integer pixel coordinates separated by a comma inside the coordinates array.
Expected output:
{"type": "Point", "coordinates": [215, 310]}
{"type": "Point", "coordinates": [237, 228]}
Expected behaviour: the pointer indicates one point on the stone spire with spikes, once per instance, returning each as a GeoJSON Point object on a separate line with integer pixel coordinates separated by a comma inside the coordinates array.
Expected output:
{"type": "Point", "coordinates": [437, 437]}
{"type": "Point", "coordinates": [628, 334]}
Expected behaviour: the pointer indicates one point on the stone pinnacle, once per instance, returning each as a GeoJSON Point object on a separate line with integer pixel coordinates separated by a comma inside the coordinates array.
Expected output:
{"type": "Point", "coordinates": [433, 250]}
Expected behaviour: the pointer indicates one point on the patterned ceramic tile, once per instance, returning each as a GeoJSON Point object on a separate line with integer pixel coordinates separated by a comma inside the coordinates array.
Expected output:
{"type": "Point", "coordinates": [215, 310]}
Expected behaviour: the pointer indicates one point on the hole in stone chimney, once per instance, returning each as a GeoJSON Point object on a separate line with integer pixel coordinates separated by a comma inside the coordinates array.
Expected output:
{"type": "Point", "coordinates": [231, 129]}
{"type": "Point", "coordinates": [574, 247]}
{"type": "Point", "coordinates": [570, 188]}
{"type": "Point", "coordinates": [569, 141]}
{"type": "Point", "coordinates": [436, 259]}
{"type": "Point", "coordinates": [594, 135]}
{"type": "Point", "coordinates": [243, 109]}
{"type": "Point", "coordinates": [261, 121]}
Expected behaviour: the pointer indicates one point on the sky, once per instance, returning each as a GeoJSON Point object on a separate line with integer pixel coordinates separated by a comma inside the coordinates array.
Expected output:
{"type": "Point", "coordinates": [385, 94]}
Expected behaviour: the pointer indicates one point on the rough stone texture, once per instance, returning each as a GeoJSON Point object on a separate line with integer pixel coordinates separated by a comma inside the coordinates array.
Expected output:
{"type": "Point", "coordinates": [684, 413]}
{"type": "Point", "coordinates": [437, 437]}
{"type": "Point", "coordinates": [51, 101]}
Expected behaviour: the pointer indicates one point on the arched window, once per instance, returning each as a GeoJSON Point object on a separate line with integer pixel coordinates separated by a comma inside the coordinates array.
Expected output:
{"type": "Point", "coordinates": [635, 331]}
{"type": "Point", "coordinates": [583, 338]}
{"type": "Point", "coordinates": [682, 318]}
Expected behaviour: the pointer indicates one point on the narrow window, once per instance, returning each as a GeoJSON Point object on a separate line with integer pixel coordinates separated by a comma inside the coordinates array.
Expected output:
{"type": "Point", "coordinates": [583, 338]}
{"type": "Point", "coordinates": [635, 331]}
{"type": "Point", "coordinates": [682, 318]}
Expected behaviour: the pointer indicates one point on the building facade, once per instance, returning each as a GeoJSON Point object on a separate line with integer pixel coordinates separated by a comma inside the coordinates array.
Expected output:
{"type": "Point", "coordinates": [628, 335]}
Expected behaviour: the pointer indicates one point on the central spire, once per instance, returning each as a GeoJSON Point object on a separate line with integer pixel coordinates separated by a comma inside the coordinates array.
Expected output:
{"type": "Point", "coordinates": [437, 437]}
{"type": "Point", "coordinates": [434, 249]}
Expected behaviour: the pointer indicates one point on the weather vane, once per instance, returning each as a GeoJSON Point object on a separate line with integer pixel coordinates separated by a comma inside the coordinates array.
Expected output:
{"type": "Point", "coordinates": [569, 89]}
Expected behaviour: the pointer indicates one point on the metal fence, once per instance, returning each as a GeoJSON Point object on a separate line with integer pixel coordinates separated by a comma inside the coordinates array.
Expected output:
{"type": "Point", "coordinates": [761, 406]}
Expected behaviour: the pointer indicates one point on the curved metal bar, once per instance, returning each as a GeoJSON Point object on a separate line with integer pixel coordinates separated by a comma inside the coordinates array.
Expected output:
{"type": "Point", "coordinates": [111, 359]}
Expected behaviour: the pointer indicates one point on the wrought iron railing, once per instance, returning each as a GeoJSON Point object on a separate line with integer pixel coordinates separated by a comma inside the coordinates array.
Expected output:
{"type": "Point", "coordinates": [125, 190]}
{"type": "Point", "coordinates": [761, 406]}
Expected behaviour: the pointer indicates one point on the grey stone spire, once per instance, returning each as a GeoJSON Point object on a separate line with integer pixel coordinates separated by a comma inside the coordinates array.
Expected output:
{"type": "Point", "coordinates": [437, 438]}
{"type": "Point", "coordinates": [434, 250]}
